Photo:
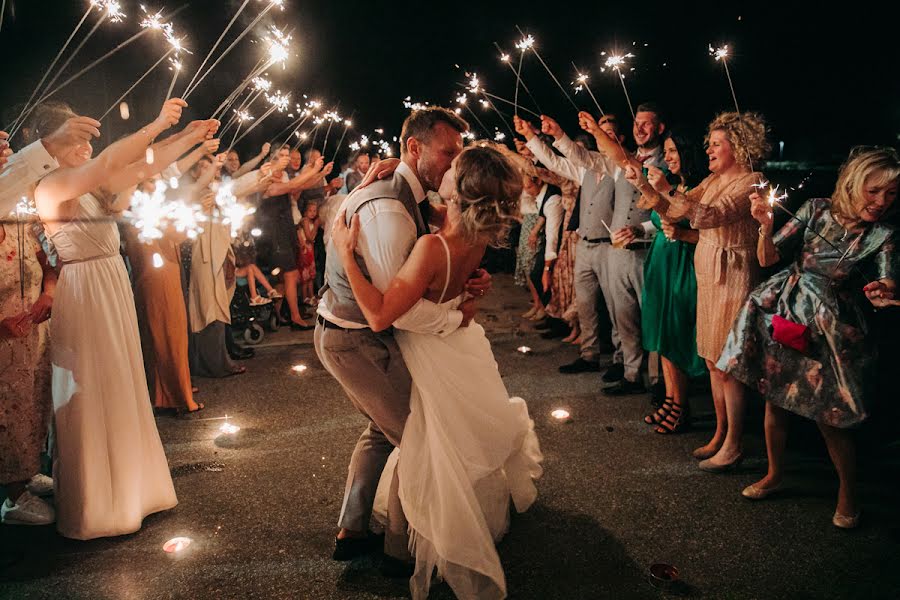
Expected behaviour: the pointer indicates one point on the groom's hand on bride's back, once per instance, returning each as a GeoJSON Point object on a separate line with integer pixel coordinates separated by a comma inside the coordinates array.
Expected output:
{"type": "Point", "coordinates": [479, 283]}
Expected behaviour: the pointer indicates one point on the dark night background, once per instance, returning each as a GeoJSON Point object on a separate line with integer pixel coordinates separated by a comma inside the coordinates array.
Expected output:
{"type": "Point", "coordinates": [825, 80]}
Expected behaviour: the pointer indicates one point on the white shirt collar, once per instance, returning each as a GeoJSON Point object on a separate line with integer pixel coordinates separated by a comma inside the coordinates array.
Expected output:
{"type": "Point", "coordinates": [413, 181]}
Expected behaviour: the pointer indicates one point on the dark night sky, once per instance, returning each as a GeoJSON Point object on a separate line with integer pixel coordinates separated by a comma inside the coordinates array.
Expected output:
{"type": "Point", "coordinates": [826, 81]}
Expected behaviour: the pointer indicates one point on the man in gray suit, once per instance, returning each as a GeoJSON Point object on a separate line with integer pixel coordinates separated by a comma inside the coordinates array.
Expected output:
{"type": "Point", "coordinates": [394, 213]}
{"type": "Point", "coordinates": [626, 262]}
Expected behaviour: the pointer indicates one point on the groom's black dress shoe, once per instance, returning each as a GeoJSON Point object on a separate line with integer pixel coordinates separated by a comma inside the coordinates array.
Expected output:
{"type": "Point", "coordinates": [350, 548]}
{"type": "Point", "coordinates": [394, 567]}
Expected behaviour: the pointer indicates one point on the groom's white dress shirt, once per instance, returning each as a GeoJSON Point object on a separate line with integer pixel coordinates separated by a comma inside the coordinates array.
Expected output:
{"type": "Point", "coordinates": [387, 234]}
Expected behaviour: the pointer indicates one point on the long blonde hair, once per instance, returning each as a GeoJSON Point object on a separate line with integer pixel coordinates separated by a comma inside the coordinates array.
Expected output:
{"type": "Point", "coordinates": [878, 166]}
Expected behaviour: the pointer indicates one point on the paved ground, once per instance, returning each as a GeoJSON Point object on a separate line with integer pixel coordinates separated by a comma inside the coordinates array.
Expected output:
{"type": "Point", "coordinates": [261, 507]}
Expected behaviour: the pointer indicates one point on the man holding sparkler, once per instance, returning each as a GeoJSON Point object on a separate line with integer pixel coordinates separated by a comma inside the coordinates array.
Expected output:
{"type": "Point", "coordinates": [595, 208]}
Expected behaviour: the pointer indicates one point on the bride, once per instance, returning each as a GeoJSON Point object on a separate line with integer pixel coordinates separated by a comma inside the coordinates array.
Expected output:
{"type": "Point", "coordinates": [467, 446]}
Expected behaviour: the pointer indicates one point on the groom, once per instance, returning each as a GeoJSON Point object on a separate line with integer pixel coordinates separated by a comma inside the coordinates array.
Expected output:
{"type": "Point", "coordinates": [393, 214]}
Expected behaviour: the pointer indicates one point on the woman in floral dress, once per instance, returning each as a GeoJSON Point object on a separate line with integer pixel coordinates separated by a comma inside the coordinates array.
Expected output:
{"type": "Point", "coordinates": [825, 372]}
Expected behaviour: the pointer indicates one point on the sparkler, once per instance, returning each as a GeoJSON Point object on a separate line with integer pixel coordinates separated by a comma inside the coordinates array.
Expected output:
{"type": "Point", "coordinates": [233, 213]}
{"type": "Point", "coordinates": [240, 117]}
{"type": "Point", "coordinates": [216, 45]}
{"type": "Point", "coordinates": [135, 84]}
{"type": "Point", "coordinates": [278, 51]}
{"type": "Point", "coordinates": [176, 69]}
{"type": "Point", "coordinates": [722, 54]}
{"type": "Point", "coordinates": [461, 100]}
{"type": "Point", "coordinates": [93, 64]}
{"type": "Point", "coordinates": [529, 40]}
{"type": "Point", "coordinates": [500, 99]}
{"type": "Point", "coordinates": [523, 45]}
{"type": "Point", "coordinates": [49, 69]}
{"type": "Point", "coordinates": [615, 62]}
{"type": "Point", "coordinates": [278, 45]}
{"type": "Point", "coordinates": [260, 85]}
{"type": "Point", "coordinates": [475, 87]}
{"type": "Point", "coordinates": [278, 101]}
{"type": "Point", "coordinates": [505, 59]}
{"type": "Point", "coordinates": [332, 118]}
{"type": "Point", "coordinates": [581, 83]}
{"type": "Point", "coordinates": [347, 125]}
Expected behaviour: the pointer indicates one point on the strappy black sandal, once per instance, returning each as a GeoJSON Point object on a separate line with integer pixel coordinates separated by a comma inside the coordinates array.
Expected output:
{"type": "Point", "coordinates": [661, 413]}
{"type": "Point", "coordinates": [676, 421]}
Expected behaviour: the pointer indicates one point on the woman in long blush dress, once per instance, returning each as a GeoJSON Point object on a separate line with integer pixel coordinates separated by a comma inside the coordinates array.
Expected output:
{"type": "Point", "coordinates": [467, 446]}
{"type": "Point", "coordinates": [110, 470]}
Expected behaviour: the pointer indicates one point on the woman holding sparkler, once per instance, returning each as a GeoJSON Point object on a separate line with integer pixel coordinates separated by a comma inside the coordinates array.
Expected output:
{"type": "Point", "coordinates": [802, 336]}
{"type": "Point", "coordinates": [719, 207]}
{"type": "Point", "coordinates": [110, 470]}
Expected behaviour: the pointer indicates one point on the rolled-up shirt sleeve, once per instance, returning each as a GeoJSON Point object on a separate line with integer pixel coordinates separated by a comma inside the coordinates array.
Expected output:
{"type": "Point", "coordinates": [559, 165]}
{"type": "Point", "coordinates": [387, 235]}
{"type": "Point", "coordinates": [553, 211]}
{"type": "Point", "coordinates": [24, 168]}
{"type": "Point", "coordinates": [583, 158]}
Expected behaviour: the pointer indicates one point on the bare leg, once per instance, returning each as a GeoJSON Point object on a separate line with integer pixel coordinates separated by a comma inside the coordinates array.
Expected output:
{"type": "Point", "coordinates": [251, 281]}
{"type": "Point", "coordinates": [535, 297]}
{"type": "Point", "coordinates": [258, 275]}
{"type": "Point", "coordinates": [290, 295]}
{"type": "Point", "coordinates": [718, 394]}
{"type": "Point", "coordinates": [842, 450]}
{"type": "Point", "coordinates": [776, 425]}
{"type": "Point", "coordinates": [735, 404]}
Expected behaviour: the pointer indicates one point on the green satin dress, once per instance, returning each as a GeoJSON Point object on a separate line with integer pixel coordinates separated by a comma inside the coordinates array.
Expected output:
{"type": "Point", "coordinates": [669, 302]}
{"type": "Point", "coordinates": [821, 289]}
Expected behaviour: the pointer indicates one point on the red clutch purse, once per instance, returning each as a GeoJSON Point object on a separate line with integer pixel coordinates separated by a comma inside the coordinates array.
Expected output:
{"type": "Point", "coordinates": [790, 334]}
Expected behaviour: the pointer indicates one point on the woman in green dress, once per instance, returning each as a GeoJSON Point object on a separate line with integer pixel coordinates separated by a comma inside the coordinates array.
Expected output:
{"type": "Point", "coordinates": [669, 303]}
{"type": "Point", "coordinates": [802, 337]}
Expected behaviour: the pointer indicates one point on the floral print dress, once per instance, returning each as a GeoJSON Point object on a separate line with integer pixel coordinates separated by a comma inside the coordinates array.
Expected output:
{"type": "Point", "coordinates": [822, 290]}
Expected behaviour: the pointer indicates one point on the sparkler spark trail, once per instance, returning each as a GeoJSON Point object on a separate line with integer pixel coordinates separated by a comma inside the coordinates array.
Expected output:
{"type": "Point", "coordinates": [127, 42]}
{"type": "Point", "coordinates": [615, 62]}
{"type": "Point", "coordinates": [504, 58]}
{"type": "Point", "coordinates": [278, 50]}
{"type": "Point", "coordinates": [135, 84]}
{"type": "Point", "coordinates": [581, 82]}
{"type": "Point", "coordinates": [49, 69]}
{"type": "Point", "coordinates": [528, 44]}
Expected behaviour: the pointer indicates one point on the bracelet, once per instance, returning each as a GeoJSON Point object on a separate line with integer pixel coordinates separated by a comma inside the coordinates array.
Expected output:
{"type": "Point", "coordinates": [763, 233]}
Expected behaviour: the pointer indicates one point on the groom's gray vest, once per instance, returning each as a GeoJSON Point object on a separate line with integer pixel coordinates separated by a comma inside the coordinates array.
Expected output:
{"type": "Point", "coordinates": [337, 294]}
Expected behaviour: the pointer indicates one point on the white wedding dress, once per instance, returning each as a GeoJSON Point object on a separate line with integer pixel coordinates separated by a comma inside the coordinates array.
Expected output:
{"type": "Point", "coordinates": [467, 448]}
{"type": "Point", "coordinates": [109, 467]}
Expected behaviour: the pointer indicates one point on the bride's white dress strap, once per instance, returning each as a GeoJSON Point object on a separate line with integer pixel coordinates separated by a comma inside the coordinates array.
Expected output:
{"type": "Point", "coordinates": [447, 281]}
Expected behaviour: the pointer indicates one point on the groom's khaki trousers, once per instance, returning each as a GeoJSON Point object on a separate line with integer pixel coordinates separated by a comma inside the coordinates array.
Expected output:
{"type": "Point", "coordinates": [371, 370]}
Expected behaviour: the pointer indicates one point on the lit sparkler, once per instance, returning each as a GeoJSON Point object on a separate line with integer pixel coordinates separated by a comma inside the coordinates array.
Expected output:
{"type": "Point", "coordinates": [615, 62]}
{"type": "Point", "coordinates": [527, 43]}
{"type": "Point", "coordinates": [581, 83]}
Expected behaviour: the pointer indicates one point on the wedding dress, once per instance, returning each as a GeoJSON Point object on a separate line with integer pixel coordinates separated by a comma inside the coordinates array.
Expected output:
{"type": "Point", "coordinates": [467, 449]}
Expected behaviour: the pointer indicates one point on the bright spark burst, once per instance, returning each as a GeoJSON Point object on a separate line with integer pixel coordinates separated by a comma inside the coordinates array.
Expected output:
{"type": "Point", "coordinates": [484, 104]}
{"type": "Point", "coordinates": [243, 115]}
{"type": "Point", "coordinates": [233, 212]}
{"type": "Point", "coordinates": [461, 99]}
{"type": "Point", "coordinates": [474, 84]}
{"type": "Point", "coordinates": [504, 57]}
{"type": "Point", "coordinates": [112, 7]}
{"type": "Point", "coordinates": [279, 46]}
{"type": "Point", "coordinates": [499, 136]}
{"type": "Point", "coordinates": [261, 83]}
{"type": "Point", "coordinates": [617, 61]}
{"type": "Point", "coordinates": [720, 53]}
{"type": "Point", "coordinates": [278, 3]}
{"type": "Point", "coordinates": [151, 213]}
{"type": "Point", "coordinates": [526, 43]}
{"type": "Point", "coordinates": [354, 146]}
{"type": "Point", "coordinates": [279, 101]}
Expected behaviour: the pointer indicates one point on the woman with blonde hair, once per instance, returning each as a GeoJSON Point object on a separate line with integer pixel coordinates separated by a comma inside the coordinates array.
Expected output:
{"type": "Point", "coordinates": [467, 446]}
{"type": "Point", "coordinates": [724, 262]}
{"type": "Point", "coordinates": [802, 336]}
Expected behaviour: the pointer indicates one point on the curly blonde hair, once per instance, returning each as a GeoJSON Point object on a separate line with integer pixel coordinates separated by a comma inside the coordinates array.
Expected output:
{"type": "Point", "coordinates": [488, 189]}
{"type": "Point", "coordinates": [747, 133]}
{"type": "Point", "coordinates": [875, 166]}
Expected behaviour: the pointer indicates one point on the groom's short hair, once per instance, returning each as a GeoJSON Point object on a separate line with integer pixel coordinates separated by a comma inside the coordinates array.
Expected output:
{"type": "Point", "coordinates": [420, 123]}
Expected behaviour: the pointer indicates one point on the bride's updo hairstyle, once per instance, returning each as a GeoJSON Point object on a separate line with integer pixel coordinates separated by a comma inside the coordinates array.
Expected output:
{"type": "Point", "coordinates": [488, 189]}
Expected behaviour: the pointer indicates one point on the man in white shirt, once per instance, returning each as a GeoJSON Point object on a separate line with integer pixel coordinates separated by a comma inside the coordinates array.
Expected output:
{"type": "Point", "coordinates": [26, 167]}
{"type": "Point", "coordinates": [369, 365]}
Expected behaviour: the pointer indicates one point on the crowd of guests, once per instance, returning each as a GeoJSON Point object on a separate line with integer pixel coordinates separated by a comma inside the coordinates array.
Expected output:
{"type": "Point", "coordinates": [655, 255]}
{"type": "Point", "coordinates": [134, 319]}
{"type": "Point", "coordinates": [673, 248]}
